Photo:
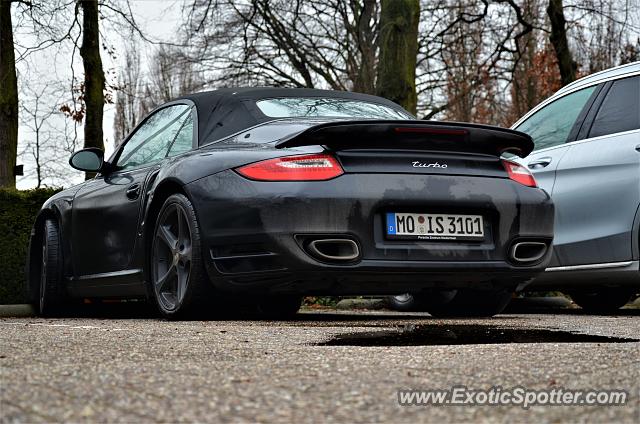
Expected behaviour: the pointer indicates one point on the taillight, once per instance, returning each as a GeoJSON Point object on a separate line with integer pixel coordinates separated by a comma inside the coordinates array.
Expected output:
{"type": "Point", "coordinates": [293, 168]}
{"type": "Point", "coordinates": [519, 173]}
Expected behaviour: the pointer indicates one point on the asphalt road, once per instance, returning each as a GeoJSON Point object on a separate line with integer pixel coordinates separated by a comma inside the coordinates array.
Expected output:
{"type": "Point", "coordinates": [321, 367]}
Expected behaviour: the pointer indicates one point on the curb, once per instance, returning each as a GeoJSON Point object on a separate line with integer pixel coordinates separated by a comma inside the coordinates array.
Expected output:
{"type": "Point", "coordinates": [17, 311]}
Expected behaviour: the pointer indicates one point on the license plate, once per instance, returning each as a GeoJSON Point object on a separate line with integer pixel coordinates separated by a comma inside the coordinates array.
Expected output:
{"type": "Point", "coordinates": [427, 226]}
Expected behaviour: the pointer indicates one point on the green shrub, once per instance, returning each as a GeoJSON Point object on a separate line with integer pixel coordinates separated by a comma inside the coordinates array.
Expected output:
{"type": "Point", "coordinates": [18, 210]}
{"type": "Point", "coordinates": [326, 301]}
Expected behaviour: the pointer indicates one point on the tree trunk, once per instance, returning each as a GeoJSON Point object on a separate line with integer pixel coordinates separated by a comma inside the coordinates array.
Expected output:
{"type": "Point", "coordinates": [93, 76]}
{"type": "Point", "coordinates": [558, 38]}
{"type": "Point", "coordinates": [37, 156]}
{"type": "Point", "coordinates": [366, 75]}
{"type": "Point", "coordinates": [8, 99]}
{"type": "Point", "coordinates": [398, 52]}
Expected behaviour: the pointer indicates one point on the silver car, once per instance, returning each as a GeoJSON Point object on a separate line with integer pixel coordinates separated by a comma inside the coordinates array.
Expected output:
{"type": "Point", "coordinates": [587, 157]}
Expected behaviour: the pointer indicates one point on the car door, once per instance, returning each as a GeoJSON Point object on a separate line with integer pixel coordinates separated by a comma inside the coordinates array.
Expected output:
{"type": "Point", "coordinates": [597, 189]}
{"type": "Point", "coordinates": [106, 210]}
{"type": "Point", "coordinates": [551, 126]}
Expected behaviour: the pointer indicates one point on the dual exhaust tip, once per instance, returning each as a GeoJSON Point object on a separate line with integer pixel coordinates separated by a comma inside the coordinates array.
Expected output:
{"type": "Point", "coordinates": [344, 250]}
{"type": "Point", "coordinates": [528, 252]}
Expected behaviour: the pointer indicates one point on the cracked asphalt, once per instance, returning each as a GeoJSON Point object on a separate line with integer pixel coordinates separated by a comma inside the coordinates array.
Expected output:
{"type": "Point", "coordinates": [135, 368]}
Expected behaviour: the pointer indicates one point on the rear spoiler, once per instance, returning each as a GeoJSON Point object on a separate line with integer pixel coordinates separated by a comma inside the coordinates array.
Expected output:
{"type": "Point", "coordinates": [413, 135]}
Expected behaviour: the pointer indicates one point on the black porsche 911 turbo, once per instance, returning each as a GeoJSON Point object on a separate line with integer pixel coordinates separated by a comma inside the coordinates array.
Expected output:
{"type": "Point", "coordinates": [269, 194]}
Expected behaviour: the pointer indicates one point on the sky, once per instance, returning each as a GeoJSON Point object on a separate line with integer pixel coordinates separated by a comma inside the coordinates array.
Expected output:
{"type": "Point", "coordinates": [50, 71]}
{"type": "Point", "coordinates": [159, 20]}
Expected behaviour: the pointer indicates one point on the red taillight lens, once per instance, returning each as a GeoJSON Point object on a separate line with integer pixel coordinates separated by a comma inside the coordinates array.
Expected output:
{"type": "Point", "coordinates": [294, 168]}
{"type": "Point", "coordinates": [519, 173]}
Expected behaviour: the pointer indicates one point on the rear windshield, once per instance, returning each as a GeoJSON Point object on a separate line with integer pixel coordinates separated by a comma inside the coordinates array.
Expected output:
{"type": "Point", "coordinates": [271, 132]}
{"type": "Point", "coordinates": [315, 107]}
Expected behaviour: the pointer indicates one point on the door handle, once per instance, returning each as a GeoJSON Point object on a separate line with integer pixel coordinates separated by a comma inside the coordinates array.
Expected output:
{"type": "Point", "coordinates": [540, 163]}
{"type": "Point", "coordinates": [638, 147]}
{"type": "Point", "coordinates": [133, 191]}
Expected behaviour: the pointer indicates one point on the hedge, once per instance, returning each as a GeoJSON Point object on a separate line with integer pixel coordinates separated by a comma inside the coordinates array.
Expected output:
{"type": "Point", "coordinates": [18, 210]}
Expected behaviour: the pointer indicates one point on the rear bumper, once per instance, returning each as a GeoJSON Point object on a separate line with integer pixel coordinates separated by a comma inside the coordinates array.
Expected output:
{"type": "Point", "coordinates": [254, 233]}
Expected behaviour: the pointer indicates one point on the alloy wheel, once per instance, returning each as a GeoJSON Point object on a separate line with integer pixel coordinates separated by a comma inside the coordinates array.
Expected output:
{"type": "Point", "coordinates": [402, 298]}
{"type": "Point", "coordinates": [171, 260]}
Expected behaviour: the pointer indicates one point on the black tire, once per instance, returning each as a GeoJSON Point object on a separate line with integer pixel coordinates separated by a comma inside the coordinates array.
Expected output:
{"type": "Point", "coordinates": [279, 307]}
{"type": "Point", "coordinates": [603, 300]}
{"type": "Point", "coordinates": [52, 295]}
{"type": "Point", "coordinates": [178, 281]}
{"type": "Point", "coordinates": [468, 303]}
{"type": "Point", "coordinates": [405, 302]}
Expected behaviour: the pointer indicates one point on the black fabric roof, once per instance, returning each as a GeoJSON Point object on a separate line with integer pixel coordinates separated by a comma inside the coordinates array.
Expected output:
{"type": "Point", "coordinates": [229, 110]}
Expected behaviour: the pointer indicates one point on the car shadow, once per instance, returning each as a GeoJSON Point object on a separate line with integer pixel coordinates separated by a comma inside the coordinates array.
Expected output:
{"type": "Point", "coordinates": [464, 334]}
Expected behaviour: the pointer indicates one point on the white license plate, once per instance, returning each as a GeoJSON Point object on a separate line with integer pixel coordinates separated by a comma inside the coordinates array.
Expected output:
{"type": "Point", "coordinates": [427, 226]}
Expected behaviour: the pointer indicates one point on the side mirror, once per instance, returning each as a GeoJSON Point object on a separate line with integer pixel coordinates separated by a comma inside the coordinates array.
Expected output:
{"type": "Point", "coordinates": [90, 159]}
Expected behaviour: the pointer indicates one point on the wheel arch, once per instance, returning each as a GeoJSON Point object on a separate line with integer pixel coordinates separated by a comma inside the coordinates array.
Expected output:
{"type": "Point", "coordinates": [160, 194]}
{"type": "Point", "coordinates": [635, 241]}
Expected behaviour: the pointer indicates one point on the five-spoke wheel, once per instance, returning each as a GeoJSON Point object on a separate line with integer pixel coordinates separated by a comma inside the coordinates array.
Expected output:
{"type": "Point", "coordinates": [177, 276]}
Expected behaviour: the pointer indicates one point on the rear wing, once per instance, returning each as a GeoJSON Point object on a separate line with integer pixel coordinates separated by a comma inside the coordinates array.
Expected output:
{"type": "Point", "coordinates": [413, 135]}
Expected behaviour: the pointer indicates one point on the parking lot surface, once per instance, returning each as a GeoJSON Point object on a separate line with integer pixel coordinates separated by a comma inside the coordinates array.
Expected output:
{"type": "Point", "coordinates": [321, 367]}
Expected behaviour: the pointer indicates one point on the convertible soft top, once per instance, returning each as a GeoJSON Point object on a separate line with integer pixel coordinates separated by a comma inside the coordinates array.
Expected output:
{"type": "Point", "coordinates": [229, 110]}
